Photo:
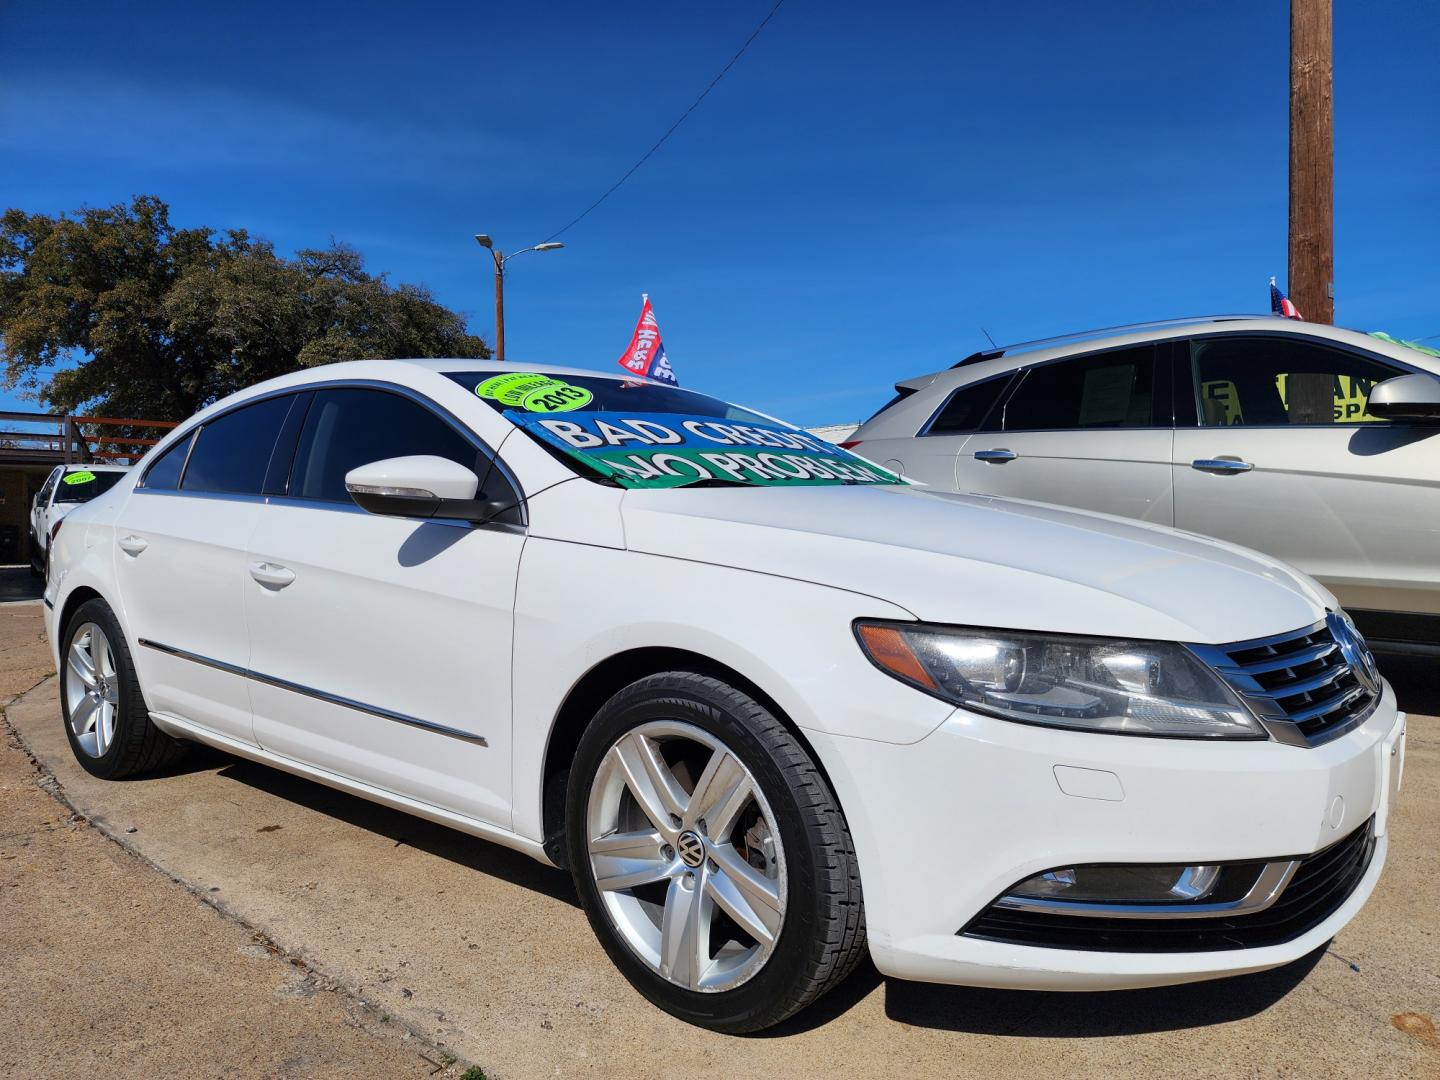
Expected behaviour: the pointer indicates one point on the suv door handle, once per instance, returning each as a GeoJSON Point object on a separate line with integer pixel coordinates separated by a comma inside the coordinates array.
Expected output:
{"type": "Point", "coordinates": [1221, 465]}
{"type": "Point", "coordinates": [998, 456]}
{"type": "Point", "coordinates": [271, 576]}
{"type": "Point", "coordinates": [133, 545]}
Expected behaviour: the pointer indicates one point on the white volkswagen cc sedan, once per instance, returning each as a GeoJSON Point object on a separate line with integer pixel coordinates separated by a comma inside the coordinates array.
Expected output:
{"type": "Point", "coordinates": [771, 705]}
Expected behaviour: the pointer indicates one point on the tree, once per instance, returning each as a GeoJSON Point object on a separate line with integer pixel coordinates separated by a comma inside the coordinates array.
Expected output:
{"type": "Point", "coordinates": [161, 321]}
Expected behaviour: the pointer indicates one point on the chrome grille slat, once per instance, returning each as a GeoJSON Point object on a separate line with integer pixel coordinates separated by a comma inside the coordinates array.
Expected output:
{"type": "Point", "coordinates": [1304, 656]}
{"type": "Point", "coordinates": [1303, 685]}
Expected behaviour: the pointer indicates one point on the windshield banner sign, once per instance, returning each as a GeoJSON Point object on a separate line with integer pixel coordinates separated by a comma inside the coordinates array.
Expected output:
{"type": "Point", "coordinates": [662, 450]}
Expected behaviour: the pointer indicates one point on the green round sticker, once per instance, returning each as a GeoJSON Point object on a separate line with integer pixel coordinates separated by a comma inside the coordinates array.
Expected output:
{"type": "Point", "coordinates": [534, 392]}
{"type": "Point", "coordinates": [557, 397]}
{"type": "Point", "coordinates": [510, 389]}
{"type": "Point", "coordinates": [82, 477]}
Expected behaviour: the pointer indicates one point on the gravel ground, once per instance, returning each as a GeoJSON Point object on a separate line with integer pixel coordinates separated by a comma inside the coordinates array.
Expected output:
{"type": "Point", "coordinates": [321, 912]}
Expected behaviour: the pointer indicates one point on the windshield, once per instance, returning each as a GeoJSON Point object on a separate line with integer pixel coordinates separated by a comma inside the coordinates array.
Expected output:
{"type": "Point", "coordinates": [82, 486]}
{"type": "Point", "coordinates": [640, 434]}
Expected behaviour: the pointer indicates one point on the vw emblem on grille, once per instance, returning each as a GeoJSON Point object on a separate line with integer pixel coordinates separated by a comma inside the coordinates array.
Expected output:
{"type": "Point", "coordinates": [1354, 650]}
{"type": "Point", "coordinates": [691, 848]}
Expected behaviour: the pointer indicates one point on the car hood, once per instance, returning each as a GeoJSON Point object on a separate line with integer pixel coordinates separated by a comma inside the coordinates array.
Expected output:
{"type": "Point", "coordinates": [984, 561]}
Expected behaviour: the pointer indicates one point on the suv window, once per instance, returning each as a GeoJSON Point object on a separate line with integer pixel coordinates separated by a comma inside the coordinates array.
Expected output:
{"type": "Point", "coordinates": [967, 407]}
{"type": "Point", "coordinates": [1108, 390]}
{"type": "Point", "coordinates": [164, 474]}
{"type": "Point", "coordinates": [1277, 380]}
{"type": "Point", "coordinates": [352, 426]}
{"type": "Point", "coordinates": [232, 451]}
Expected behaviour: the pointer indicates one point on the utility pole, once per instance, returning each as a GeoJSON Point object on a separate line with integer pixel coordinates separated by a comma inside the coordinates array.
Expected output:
{"type": "Point", "coordinates": [500, 260]}
{"type": "Point", "coordinates": [1312, 161]}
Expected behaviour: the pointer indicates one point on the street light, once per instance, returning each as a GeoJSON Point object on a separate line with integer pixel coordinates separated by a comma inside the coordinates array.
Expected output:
{"type": "Point", "coordinates": [501, 259]}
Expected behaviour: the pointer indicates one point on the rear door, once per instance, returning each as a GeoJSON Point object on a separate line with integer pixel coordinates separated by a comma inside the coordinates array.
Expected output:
{"type": "Point", "coordinates": [1092, 431]}
{"type": "Point", "coordinates": [1286, 459]}
{"type": "Point", "coordinates": [380, 646]}
{"type": "Point", "coordinates": [180, 562]}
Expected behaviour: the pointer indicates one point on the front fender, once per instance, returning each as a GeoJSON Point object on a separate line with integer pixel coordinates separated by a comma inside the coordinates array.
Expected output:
{"type": "Point", "coordinates": [577, 606]}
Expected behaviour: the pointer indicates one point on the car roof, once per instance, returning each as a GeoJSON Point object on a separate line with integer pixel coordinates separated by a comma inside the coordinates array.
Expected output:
{"type": "Point", "coordinates": [1003, 359]}
{"type": "Point", "coordinates": [95, 467]}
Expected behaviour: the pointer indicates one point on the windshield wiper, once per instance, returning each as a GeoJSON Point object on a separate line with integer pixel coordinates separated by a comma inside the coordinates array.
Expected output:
{"type": "Point", "coordinates": [715, 481]}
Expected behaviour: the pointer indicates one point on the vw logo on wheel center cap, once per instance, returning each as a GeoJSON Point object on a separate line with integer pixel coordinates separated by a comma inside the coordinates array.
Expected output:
{"type": "Point", "coordinates": [691, 848]}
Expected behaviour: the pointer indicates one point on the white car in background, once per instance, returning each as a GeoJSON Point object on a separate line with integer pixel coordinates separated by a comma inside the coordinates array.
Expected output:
{"type": "Point", "coordinates": [771, 705]}
{"type": "Point", "coordinates": [67, 487]}
{"type": "Point", "coordinates": [1317, 445]}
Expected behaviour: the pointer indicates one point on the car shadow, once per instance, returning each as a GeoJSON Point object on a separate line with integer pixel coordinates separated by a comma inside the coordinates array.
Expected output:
{"type": "Point", "coordinates": [441, 841]}
{"type": "Point", "coordinates": [1054, 1015]}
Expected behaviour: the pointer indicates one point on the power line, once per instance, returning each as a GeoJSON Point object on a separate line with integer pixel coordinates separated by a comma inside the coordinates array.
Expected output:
{"type": "Point", "coordinates": [671, 130]}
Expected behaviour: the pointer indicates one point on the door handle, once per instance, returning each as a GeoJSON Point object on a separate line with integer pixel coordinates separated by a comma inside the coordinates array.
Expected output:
{"type": "Point", "coordinates": [271, 576]}
{"type": "Point", "coordinates": [998, 456]}
{"type": "Point", "coordinates": [1221, 465]}
{"type": "Point", "coordinates": [133, 545]}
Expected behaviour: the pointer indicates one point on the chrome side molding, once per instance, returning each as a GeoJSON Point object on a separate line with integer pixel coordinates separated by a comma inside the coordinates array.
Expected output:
{"type": "Point", "coordinates": [318, 695]}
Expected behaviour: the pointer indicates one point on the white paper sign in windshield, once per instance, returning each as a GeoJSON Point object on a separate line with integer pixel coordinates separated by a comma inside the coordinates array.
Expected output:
{"type": "Point", "coordinates": [661, 450]}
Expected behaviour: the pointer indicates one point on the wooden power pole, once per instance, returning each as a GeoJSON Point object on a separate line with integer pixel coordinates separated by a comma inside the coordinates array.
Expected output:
{"type": "Point", "coordinates": [1312, 161]}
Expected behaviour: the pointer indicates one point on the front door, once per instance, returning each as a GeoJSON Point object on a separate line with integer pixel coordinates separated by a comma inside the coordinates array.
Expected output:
{"type": "Point", "coordinates": [380, 646]}
{"type": "Point", "coordinates": [1287, 460]}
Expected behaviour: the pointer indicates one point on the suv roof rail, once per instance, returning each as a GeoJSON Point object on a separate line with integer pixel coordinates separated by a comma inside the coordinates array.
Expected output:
{"type": "Point", "coordinates": [1104, 331]}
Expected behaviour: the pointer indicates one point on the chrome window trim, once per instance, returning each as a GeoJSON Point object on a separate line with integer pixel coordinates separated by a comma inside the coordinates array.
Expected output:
{"type": "Point", "coordinates": [416, 396]}
{"type": "Point", "coordinates": [1187, 363]}
{"type": "Point", "coordinates": [318, 695]}
{"type": "Point", "coordinates": [999, 403]}
{"type": "Point", "coordinates": [1268, 886]}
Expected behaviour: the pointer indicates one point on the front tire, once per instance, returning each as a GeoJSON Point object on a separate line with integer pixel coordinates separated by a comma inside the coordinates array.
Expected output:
{"type": "Point", "coordinates": [711, 856]}
{"type": "Point", "coordinates": [106, 720]}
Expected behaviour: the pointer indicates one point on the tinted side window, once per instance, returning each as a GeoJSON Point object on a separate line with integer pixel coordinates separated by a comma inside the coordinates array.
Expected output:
{"type": "Point", "coordinates": [968, 407]}
{"type": "Point", "coordinates": [1275, 380]}
{"type": "Point", "coordinates": [49, 486]}
{"type": "Point", "coordinates": [164, 474]}
{"type": "Point", "coordinates": [351, 426]}
{"type": "Point", "coordinates": [231, 453]}
{"type": "Point", "coordinates": [1111, 390]}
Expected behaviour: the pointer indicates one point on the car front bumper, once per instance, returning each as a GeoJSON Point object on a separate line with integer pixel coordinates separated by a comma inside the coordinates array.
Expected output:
{"type": "Point", "coordinates": [944, 826]}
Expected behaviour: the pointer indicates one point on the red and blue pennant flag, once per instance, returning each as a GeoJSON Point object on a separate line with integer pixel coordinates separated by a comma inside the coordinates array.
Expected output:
{"type": "Point", "coordinates": [646, 355]}
{"type": "Point", "coordinates": [1280, 303]}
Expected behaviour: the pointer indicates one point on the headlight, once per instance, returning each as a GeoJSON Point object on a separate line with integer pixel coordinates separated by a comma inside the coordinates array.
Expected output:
{"type": "Point", "coordinates": [1088, 684]}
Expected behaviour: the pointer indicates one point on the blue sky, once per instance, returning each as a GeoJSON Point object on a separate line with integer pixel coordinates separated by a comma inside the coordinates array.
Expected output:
{"type": "Point", "coordinates": [869, 186]}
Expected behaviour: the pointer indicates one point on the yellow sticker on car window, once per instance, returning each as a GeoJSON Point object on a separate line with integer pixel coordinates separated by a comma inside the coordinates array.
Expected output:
{"type": "Point", "coordinates": [81, 477]}
{"type": "Point", "coordinates": [534, 392]}
{"type": "Point", "coordinates": [557, 397]}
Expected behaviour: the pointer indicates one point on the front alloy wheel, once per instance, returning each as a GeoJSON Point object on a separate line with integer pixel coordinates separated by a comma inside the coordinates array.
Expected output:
{"type": "Point", "coordinates": [710, 854]}
{"type": "Point", "coordinates": [683, 849]}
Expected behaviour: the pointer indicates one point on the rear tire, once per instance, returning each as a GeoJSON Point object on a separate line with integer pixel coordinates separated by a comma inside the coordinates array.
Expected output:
{"type": "Point", "coordinates": [106, 720]}
{"type": "Point", "coordinates": [756, 961]}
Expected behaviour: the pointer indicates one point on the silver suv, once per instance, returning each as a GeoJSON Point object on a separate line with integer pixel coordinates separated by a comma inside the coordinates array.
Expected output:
{"type": "Point", "coordinates": [1318, 445]}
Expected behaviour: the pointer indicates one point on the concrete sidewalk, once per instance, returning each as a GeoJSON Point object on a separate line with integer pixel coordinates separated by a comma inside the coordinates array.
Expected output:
{"type": "Point", "coordinates": [485, 952]}
{"type": "Point", "coordinates": [112, 969]}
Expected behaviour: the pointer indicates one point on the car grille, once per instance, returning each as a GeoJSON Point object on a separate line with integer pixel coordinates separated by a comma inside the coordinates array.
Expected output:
{"type": "Point", "coordinates": [1322, 882]}
{"type": "Point", "coordinates": [1300, 684]}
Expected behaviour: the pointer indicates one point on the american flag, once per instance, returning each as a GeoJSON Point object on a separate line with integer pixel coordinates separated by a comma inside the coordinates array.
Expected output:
{"type": "Point", "coordinates": [1280, 303]}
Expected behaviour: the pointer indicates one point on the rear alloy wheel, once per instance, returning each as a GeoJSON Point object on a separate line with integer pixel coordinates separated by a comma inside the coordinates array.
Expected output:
{"type": "Point", "coordinates": [106, 719]}
{"type": "Point", "coordinates": [710, 855]}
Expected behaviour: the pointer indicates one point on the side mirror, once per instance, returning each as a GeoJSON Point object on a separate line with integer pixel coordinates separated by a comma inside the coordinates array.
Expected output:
{"type": "Point", "coordinates": [1407, 397]}
{"type": "Point", "coordinates": [424, 486]}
